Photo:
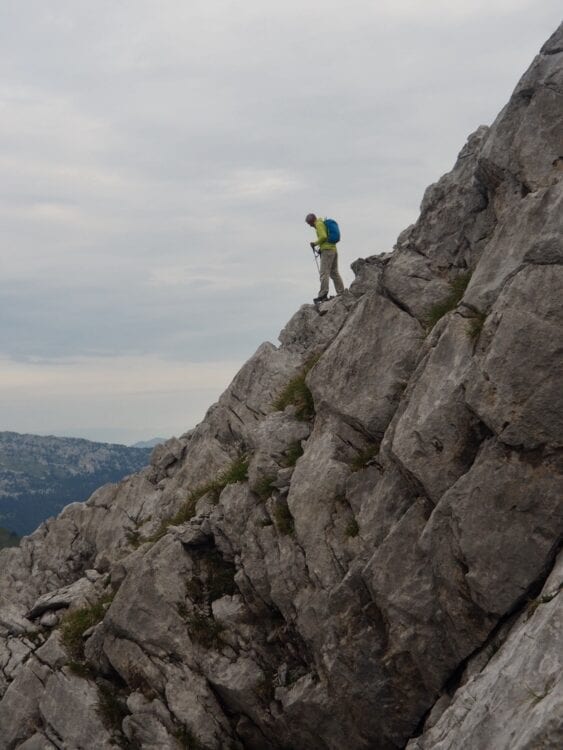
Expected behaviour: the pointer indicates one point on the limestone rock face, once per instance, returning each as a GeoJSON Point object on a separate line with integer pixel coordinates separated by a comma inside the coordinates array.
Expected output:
{"type": "Point", "coordinates": [357, 546]}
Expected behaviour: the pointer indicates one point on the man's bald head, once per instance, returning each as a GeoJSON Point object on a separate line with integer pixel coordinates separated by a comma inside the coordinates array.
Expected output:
{"type": "Point", "coordinates": [311, 219]}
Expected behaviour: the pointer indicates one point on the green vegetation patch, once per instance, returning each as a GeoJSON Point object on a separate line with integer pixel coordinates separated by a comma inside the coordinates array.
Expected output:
{"type": "Point", "coordinates": [264, 487]}
{"type": "Point", "coordinates": [203, 629]}
{"type": "Point", "coordinates": [365, 457]}
{"type": "Point", "coordinates": [292, 454]}
{"type": "Point", "coordinates": [134, 538]}
{"type": "Point", "coordinates": [475, 325]}
{"type": "Point", "coordinates": [297, 393]}
{"type": "Point", "coordinates": [437, 311]}
{"type": "Point", "coordinates": [77, 622]}
{"type": "Point", "coordinates": [235, 472]}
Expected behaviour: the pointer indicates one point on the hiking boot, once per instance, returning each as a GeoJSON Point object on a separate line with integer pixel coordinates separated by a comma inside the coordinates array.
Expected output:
{"type": "Point", "coordinates": [322, 298]}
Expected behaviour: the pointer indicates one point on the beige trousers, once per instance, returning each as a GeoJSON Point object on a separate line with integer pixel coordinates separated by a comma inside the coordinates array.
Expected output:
{"type": "Point", "coordinates": [329, 269]}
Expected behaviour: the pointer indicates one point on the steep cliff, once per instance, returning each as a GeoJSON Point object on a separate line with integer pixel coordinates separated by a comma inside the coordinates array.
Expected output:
{"type": "Point", "coordinates": [357, 547]}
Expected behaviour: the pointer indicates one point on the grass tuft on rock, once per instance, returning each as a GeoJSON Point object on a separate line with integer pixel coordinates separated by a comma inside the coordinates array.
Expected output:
{"type": "Point", "coordinates": [292, 454]}
{"type": "Point", "coordinates": [236, 472]}
{"type": "Point", "coordinates": [437, 311]}
{"type": "Point", "coordinates": [204, 630]}
{"type": "Point", "coordinates": [475, 325]}
{"type": "Point", "coordinates": [133, 537]}
{"type": "Point", "coordinates": [296, 393]}
{"type": "Point", "coordinates": [264, 487]}
{"type": "Point", "coordinates": [77, 622]}
{"type": "Point", "coordinates": [366, 457]}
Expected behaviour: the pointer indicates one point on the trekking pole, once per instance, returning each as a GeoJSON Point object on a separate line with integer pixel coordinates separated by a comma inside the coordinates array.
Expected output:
{"type": "Point", "coordinates": [316, 259]}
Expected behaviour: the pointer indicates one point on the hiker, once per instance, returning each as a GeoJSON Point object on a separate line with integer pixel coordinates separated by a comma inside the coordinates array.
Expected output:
{"type": "Point", "coordinates": [329, 258]}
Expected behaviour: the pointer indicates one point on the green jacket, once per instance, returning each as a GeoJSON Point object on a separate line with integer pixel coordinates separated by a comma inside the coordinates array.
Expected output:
{"type": "Point", "coordinates": [322, 237]}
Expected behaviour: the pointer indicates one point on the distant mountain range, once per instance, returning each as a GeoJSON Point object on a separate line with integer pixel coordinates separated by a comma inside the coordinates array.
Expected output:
{"type": "Point", "coordinates": [40, 475]}
{"type": "Point", "coordinates": [149, 443]}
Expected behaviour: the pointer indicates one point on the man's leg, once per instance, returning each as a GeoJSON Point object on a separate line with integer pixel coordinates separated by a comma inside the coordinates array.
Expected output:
{"type": "Point", "coordinates": [335, 276]}
{"type": "Point", "coordinates": [326, 265]}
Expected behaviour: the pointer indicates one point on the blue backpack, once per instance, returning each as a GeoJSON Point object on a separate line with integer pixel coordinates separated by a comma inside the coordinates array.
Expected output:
{"type": "Point", "coordinates": [332, 231]}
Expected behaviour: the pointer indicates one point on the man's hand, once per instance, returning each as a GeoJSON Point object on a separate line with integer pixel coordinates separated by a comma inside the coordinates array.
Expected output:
{"type": "Point", "coordinates": [313, 244]}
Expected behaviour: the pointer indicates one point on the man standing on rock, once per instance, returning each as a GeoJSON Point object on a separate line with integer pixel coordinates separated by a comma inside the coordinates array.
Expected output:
{"type": "Point", "coordinates": [329, 258]}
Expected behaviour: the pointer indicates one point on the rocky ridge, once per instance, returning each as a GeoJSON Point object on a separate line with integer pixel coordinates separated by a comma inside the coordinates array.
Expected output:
{"type": "Point", "coordinates": [358, 546]}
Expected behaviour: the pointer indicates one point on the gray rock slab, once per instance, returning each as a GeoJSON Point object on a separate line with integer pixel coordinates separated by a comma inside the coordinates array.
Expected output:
{"type": "Point", "coordinates": [361, 378]}
{"type": "Point", "coordinates": [531, 233]}
{"type": "Point", "coordinates": [516, 701]}
{"type": "Point", "coordinates": [52, 652]}
{"type": "Point", "coordinates": [19, 708]}
{"type": "Point", "coordinates": [13, 621]}
{"type": "Point", "coordinates": [517, 386]}
{"type": "Point", "coordinates": [77, 593]}
{"type": "Point", "coordinates": [70, 706]}
{"type": "Point", "coordinates": [435, 436]}
{"type": "Point", "coordinates": [502, 519]}
{"type": "Point", "coordinates": [37, 742]}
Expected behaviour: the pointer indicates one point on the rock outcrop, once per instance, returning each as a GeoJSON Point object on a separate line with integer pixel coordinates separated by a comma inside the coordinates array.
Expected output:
{"type": "Point", "coordinates": [357, 547]}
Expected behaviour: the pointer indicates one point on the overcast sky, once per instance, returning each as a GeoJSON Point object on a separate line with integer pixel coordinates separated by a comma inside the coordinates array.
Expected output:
{"type": "Point", "coordinates": [158, 158]}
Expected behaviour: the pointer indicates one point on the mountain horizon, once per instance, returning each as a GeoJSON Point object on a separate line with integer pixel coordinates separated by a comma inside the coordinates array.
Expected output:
{"type": "Point", "coordinates": [40, 474]}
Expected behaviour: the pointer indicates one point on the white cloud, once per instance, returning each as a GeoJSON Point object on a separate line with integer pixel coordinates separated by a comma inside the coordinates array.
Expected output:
{"type": "Point", "coordinates": [70, 376]}
{"type": "Point", "coordinates": [114, 398]}
{"type": "Point", "coordinates": [262, 184]}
